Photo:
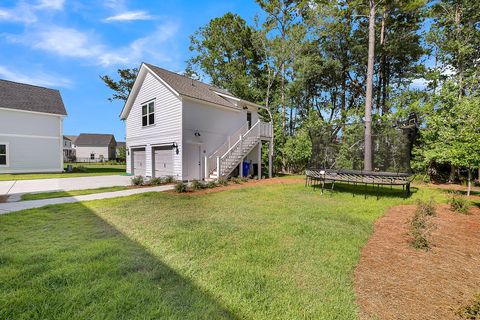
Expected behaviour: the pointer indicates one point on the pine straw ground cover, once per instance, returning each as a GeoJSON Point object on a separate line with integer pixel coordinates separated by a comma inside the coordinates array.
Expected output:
{"type": "Point", "coordinates": [395, 281]}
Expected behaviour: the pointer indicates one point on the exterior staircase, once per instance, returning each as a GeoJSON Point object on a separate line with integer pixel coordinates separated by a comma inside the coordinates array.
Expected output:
{"type": "Point", "coordinates": [228, 160]}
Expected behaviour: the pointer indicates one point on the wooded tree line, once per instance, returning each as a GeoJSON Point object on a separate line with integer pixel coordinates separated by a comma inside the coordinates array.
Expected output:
{"type": "Point", "coordinates": [307, 61]}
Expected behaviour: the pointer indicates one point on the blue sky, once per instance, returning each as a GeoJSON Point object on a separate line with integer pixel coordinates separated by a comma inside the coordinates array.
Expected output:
{"type": "Point", "coordinates": [68, 44]}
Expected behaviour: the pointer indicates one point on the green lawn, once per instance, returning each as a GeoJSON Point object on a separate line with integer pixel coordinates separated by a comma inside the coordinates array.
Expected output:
{"type": "Point", "coordinates": [91, 170]}
{"type": "Point", "coordinates": [263, 252]}
{"type": "Point", "coordinates": [61, 194]}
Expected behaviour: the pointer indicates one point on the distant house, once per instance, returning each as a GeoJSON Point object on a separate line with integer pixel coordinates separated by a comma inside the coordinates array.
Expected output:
{"type": "Point", "coordinates": [180, 127]}
{"type": "Point", "coordinates": [68, 149]}
{"type": "Point", "coordinates": [31, 128]}
{"type": "Point", "coordinates": [94, 147]}
{"type": "Point", "coordinates": [119, 153]}
{"type": "Point", "coordinates": [72, 139]}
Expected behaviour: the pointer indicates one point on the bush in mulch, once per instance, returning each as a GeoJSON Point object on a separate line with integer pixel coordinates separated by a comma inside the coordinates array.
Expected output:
{"type": "Point", "coordinates": [420, 225]}
{"type": "Point", "coordinates": [458, 203]}
{"type": "Point", "coordinates": [181, 187]}
{"type": "Point", "coordinates": [236, 180]}
{"type": "Point", "coordinates": [197, 185]}
{"type": "Point", "coordinates": [169, 179]}
{"type": "Point", "coordinates": [211, 184]}
{"type": "Point", "coordinates": [222, 182]}
{"type": "Point", "coordinates": [156, 181]}
{"type": "Point", "coordinates": [79, 169]}
{"type": "Point", "coordinates": [471, 312]}
{"type": "Point", "coordinates": [137, 181]}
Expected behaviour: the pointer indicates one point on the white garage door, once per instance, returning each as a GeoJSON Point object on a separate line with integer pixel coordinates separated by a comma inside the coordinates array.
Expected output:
{"type": "Point", "coordinates": [163, 161]}
{"type": "Point", "coordinates": [139, 162]}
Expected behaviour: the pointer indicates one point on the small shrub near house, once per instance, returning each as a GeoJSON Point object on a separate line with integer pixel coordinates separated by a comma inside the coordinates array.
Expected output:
{"type": "Point", "coordinates": [244, 179]}
{"type": "Point", "coordinates": [197, 185]}
{"type": "Point", "coordinates": [420, 224]}
{"type": "Point", "coordinates": [169, 179]}
{"type": "Point", "coordinates": [156, 181]}
{"type": "Point", "coordinates": [458, 203]}
{"type": "Point", "coordinates": [211, 184]}
{"type": "Point", "coordinates": [180, 187]}
{"type": "Point", "coordinates": [222, 182]}
{"type": "Point", "coordinates": [138, 181]}
{"type": "Point", "coordinates": [236, 180]}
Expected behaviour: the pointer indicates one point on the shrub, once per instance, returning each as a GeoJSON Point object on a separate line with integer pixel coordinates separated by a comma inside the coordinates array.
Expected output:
{"type": "Point", "coordinates": [156, 181]}
{"type": "Point", "coordinates": [236, 180]}
{"type": "Point", "coordinates": [471, 312]}
{"type": "Point", "coordinates": [137, 181]}
{"type": "Point", "coordinates": [222, 182]}
{"type": "Point", "coordinates": [458, 203]}
{"type": "Point", "coordinates": [197, 185]}
{"type": "Point", "coordinates": [211, 184]}
{"type": "Point", "coordinates": [244, 179]}
{"type": "Point", "coordinates": [169, 179]}
{"type": "Point", "coordinates": [419, 225]}
{"type": "Point", "coordinates": [180, 187]}
{"type": "Point", "coordinates": [426, 208]}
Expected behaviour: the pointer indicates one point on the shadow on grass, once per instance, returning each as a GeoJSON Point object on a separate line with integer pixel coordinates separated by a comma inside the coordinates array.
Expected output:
{"type": "Point", "coordinates": [65, 262]}
{"type": "Point", "coordinates": [369, 191]}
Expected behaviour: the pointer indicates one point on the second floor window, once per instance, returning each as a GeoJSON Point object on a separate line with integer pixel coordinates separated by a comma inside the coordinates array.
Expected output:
{"type": "Point", "coordinates": [148, 114]}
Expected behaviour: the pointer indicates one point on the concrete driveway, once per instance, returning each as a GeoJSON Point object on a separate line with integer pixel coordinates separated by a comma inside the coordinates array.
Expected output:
{"type": "Point", "coordinates": [62, 184]}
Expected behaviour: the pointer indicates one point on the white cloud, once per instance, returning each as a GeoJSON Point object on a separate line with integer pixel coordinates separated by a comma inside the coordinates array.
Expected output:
{"type": "Point", "coordinates": [130, 16]}
{"type": "Point", "coordinates": [419, 83]}
{"type": "Point", "coordinates": [22, 13]}
{"type": "Point", "coordinates": [51, 4]}
{"type": "Point", "coordinates": [72, 43]}
{"type": "Point", "coordinates": [35, 78]}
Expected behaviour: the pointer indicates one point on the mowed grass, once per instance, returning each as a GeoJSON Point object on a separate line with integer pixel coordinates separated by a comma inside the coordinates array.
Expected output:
{"type": "Point", "coordinates": [90, 170]}
{"type": "Point", "coordinates": [263, 252]}
{"type": "Point", "coordinates": [62, 194]}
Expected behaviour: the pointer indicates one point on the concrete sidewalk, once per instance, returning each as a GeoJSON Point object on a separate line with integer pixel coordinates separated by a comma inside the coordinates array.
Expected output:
{"type": "Point", "coordinates": [22, 205]}
{"type": "Point", "coordinates": [62, 184]}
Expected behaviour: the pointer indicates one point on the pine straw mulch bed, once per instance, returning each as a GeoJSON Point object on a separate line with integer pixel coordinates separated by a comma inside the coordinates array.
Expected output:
{"type": "Point", "coordinates": [249, 183]}
{"type": "Point", "coordinates": [395, 281]}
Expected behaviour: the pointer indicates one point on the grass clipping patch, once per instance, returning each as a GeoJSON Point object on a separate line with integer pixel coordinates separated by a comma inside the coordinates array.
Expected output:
{"type": "Point", "coordinates": [420, 225]}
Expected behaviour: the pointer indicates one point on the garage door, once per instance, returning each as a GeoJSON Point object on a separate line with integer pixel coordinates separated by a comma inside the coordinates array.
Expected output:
{"type": "Point", "coordinates": [139, 162]}
{"type": "Point", "coordinates": [163, 161]}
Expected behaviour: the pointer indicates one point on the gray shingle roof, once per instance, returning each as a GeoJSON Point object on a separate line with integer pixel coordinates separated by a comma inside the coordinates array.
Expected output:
{"type": "Point", "coordinates": [192, 88]}
{"type": "Point", "coordinates": [26, 97]}
{"type": "Point", "coordinates": [94, 139]}
{"type": "Point", "coordinates": [121, 144]}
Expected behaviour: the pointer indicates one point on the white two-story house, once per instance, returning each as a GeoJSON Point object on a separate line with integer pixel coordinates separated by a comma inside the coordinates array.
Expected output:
{"type": "Point", "coordinates": [31, 128]}
{"type": "Point", "coordinates": [179, 127]}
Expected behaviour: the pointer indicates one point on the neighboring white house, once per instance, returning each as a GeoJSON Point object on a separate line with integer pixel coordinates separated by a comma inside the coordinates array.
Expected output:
{"type": "Point", "coordinates": [94, 147]}
{"type": "Point", "coordinates": [68, 149]}
{"type": "Point", "coordinates": [187, 129]}
{"type": "Point", "coordinates": [31, 128]}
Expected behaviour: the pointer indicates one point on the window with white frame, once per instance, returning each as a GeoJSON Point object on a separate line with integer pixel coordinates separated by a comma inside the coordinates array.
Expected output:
{"type": "Point", "coordinates": [3, 154]}
{"type": "Point", "coordinates": [148, 114]}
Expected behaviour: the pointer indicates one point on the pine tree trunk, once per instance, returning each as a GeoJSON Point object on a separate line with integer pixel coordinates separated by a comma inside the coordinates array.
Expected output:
{"type": "Point", "coordinates": [469, 181]}
{"type": "Point", "coordinates": [367, 160]}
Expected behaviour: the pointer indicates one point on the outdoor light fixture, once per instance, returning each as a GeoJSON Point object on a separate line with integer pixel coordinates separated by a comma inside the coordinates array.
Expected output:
{"type": "Point", "coordinates": [175, 145]}
{"type": "Point", "coordinates": [197, 134]}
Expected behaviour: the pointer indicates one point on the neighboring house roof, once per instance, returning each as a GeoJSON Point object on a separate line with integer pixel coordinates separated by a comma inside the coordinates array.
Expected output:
{"type": "Point", "coordinates": [186, 86]}
{"type": "Point", "coordinates": [121, 144]}
{"type": "Point", "coordinates": [94, 139]}
{"type": "Point", "coordinates": [66, 138]}
{"type": "Point", "coordinates": [26, 97]}
{"type": "Point", "coordinates": [71, 138]}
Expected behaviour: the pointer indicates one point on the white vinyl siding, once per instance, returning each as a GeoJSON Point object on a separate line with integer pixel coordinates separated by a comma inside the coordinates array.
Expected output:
{"type": "Point", "coordinates": [167, 128]}
{"type": "Point", "coordinates": [35, 141]}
